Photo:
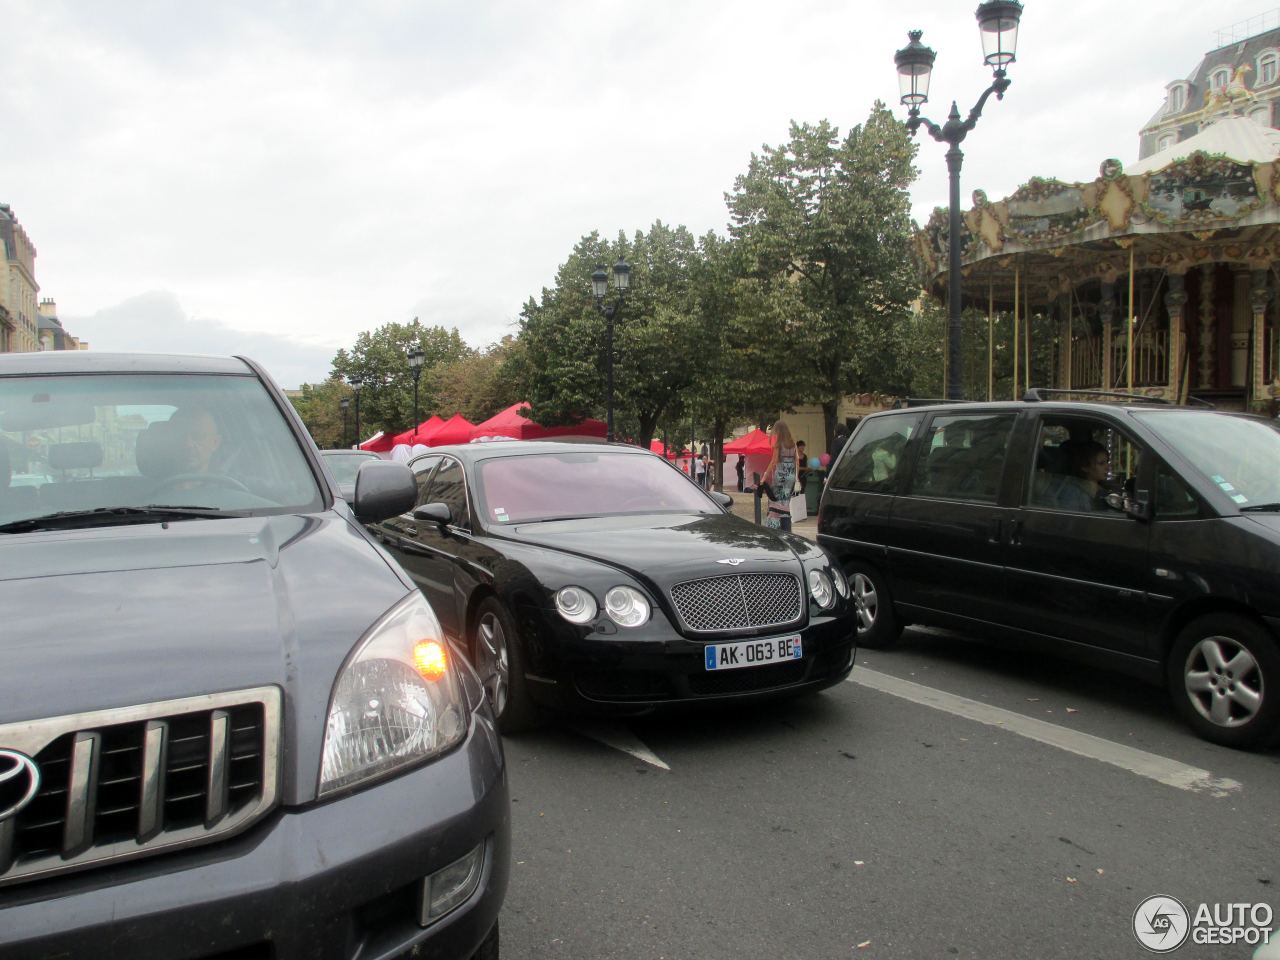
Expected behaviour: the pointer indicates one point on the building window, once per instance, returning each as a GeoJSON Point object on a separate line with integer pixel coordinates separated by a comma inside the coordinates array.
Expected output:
{"type": "Point", "coordinates": [1177, 99]}
{"type": "Point", "coordinates": [1267, 67]}
{"type": "Point", "coordinates": [1261, 116]}
{"type": "Point", "coordinates": [1219, 79]}
{"type": "Point", "coordinates": [1164, 143]}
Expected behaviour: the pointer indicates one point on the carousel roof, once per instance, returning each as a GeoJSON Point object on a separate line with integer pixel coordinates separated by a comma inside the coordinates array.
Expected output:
{"type": "Point", "coordinates": [1236, 138]}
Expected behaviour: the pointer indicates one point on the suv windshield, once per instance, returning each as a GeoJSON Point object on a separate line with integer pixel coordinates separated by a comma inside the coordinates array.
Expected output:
{"type": "Point", "coordinates": [593, 483]}
{"type": "Point", "coordinates": [1240, 455]}
{"type": "Point", "coordinates": [124, 445]}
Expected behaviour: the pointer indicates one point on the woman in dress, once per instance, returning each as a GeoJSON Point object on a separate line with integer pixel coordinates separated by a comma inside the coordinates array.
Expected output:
{"type": "Point", "coordinates": [780, 475]}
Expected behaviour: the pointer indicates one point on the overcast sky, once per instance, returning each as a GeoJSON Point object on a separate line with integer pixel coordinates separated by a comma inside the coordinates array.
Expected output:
{"type": "Point", "coordinates": [274, 177]}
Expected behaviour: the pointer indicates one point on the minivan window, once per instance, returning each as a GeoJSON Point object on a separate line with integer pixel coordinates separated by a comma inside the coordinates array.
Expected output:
{"type": "Point", "coordinates": [1238, 455]}
{"type": "Point", "coordinates": [1078, 462]}
{"type": "Point", "coordinates": [874, 456]}
{"type": "Point", "coordinates": [122, 442]}
{"type": "Point", "coordinates": [963, 457]}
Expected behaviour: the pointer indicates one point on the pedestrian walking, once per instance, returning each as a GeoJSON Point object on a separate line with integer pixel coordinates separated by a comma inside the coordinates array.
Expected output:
{"type": "Point", "coordinates": [780, 477]}
{"type": "Point", "coordinates": [741, 470]}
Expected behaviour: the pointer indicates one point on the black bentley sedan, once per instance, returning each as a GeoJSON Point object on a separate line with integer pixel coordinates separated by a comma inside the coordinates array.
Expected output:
{"type": "Point", "coordinates": [598, 577]}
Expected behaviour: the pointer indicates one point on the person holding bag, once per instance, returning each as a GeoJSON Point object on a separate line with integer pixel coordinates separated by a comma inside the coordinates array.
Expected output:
{"type": "Point", "coordinates": [779, 478]}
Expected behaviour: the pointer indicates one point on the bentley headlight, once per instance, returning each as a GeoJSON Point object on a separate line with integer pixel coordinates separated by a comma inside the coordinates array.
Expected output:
{"type": "Point", "coordinates": [820, 588]}
{"type": "Point", "coordinates": [627, 607]}
{"type": "Point", "coordinates": [576, 604]}
{"type": "Point", "coordinates": [841, 582]}
{"type": "Point", "coordinates": [397, 700]}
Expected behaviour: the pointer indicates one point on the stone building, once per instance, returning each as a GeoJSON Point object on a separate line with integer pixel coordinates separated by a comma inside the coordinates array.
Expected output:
{"type": "Point", "coordinates": [19, 314]}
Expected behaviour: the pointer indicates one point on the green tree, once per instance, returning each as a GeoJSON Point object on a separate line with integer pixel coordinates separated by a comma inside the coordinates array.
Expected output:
{"type": "Point", "coordinates": [379, 359]}
{"type": "Point", "coordinates": [824, 225]}
{"type": "Point", "coordinates": [479, 384]}
{"type": "Point", "coordinates": [319, 406]}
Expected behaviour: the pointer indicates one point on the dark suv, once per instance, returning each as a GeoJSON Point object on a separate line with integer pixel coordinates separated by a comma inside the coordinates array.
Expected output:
{"type": "Point", "coordinates": [230, 725]}
{"type": "Point", "coordinates": [1141, 536]}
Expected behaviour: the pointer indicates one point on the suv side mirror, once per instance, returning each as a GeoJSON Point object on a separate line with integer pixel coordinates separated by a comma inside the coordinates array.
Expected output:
{"type": "Point", "coordinates": [383, 489]}
{"type": "Point", "coordinates": [434, 513]}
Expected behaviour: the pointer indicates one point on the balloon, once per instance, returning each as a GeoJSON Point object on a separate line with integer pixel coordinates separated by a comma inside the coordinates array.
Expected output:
{"type": "Point", "coordinates": [824, 459]}
{"type": "Point", "coordinates": [814, 463]}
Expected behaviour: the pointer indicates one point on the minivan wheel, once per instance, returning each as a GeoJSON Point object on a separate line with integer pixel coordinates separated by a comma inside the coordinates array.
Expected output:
{"type": "Point", "coordinates": [876, 620]}
{"type": "Point", "coordinates": [1224, 675]}
{"type": "Point", "coordinates": [495, 653]}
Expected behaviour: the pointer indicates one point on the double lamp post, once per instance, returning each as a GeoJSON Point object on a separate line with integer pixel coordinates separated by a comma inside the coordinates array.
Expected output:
{"type": "Point", "coordinates": [599, 289]}
{"type": "Point", "coordinates": [998, 23]}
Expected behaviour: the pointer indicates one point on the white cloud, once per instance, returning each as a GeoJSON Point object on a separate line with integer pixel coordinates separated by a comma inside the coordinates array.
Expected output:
{"type": "Point", "coordinates": [308, 171]}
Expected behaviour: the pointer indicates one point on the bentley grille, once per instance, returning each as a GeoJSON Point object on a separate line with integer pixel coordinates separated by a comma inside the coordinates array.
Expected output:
{"type": "Point", "coordinates": [123, 783]}
{"type": "Point", "coordinates": [743, 601]}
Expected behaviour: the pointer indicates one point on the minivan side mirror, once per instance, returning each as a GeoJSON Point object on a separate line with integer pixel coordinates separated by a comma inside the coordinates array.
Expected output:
{"type": "Point", "coordinates": [383, 489]}
{"type": "Point", "coordinates": [434, 513]}
{"type": "Point", "coordinates": [1137, 506]}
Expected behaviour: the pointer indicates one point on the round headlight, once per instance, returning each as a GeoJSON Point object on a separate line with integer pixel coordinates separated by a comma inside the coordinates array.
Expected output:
{"type": "Point", "coordinates": [627, 607]}
{"type": "Point", "coordinates": [576, 604]}
{"type": "Point", "coordinates": [842, 584]}
{"type": "Point", "coordinates": [820, 588]}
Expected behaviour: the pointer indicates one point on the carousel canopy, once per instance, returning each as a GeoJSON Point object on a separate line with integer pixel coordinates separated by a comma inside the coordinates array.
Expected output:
{"type": "Point", "coordinates": [1236, 138]}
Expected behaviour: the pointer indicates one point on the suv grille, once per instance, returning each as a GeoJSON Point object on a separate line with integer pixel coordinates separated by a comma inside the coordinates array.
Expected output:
{"type": "Point", "coordinates": [740, 602]}
{"type": "Point", "coordinates": [137, 780]}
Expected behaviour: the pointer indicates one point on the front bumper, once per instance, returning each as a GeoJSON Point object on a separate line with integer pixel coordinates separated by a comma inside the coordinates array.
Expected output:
{"type": "Point", "coordinates": [619, 675]}
{"type": "Point", "coordinates": [339, 880]}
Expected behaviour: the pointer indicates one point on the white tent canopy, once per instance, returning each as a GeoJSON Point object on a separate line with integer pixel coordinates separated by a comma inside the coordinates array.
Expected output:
{"type": "Point", "coordinates": [1238, 138]}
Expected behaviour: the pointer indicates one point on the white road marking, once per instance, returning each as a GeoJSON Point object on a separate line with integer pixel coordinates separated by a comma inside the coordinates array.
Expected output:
{"type": "Point", "coordinates": [620, 738]}
{"type": "Point", "coordinates": [1161, 769]}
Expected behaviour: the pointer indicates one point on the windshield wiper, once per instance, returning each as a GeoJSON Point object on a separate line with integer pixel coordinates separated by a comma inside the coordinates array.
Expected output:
{"type": "Point", "coordinates": [107, 516]}
{"type": "Point", "coordinates": [1261, 508]}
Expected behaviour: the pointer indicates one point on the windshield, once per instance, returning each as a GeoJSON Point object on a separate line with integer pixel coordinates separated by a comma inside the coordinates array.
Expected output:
{"type": "Point", "coordinates": [591, 483]}
{"type": "Point", "coordinates": [1239, 455]}
{"type": "Point", "coordinates": [345, 466]}
{"type": "Point", "coordinates": [76, 444]}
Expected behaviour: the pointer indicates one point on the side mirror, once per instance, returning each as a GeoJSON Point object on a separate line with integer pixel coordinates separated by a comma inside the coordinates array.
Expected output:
{"type": "Point", "coordinates": [723, 499]}
{"type": "Point", "coordinates": [347, 491]}
{"type": "Point", "coordinates": [434, 513]}
{"type": "Point", "coordinates": [1136, 506]}
{"type": "Point", "coordinates": [383, 489]}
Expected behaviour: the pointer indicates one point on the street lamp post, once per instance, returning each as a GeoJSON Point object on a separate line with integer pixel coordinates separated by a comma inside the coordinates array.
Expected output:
{"type": "Point", "coordinates": [344, 403]}
{"type": "Point", "coordinates": [599, 288]}
{"type": "Point", "coordinates": [998, 22]}
{"type": "Point", "coordinates": [416, 357]}
{"type": "Point", "coordinates": [357, 382]}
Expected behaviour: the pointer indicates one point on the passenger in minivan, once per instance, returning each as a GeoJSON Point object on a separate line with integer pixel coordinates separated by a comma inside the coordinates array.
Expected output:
{"type": "Point", "coordinates": [1082, 490]}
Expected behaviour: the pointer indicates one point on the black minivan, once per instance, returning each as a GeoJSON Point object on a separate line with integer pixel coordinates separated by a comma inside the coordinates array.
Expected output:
{"type": "Point", "coordinates": [1142, 536]}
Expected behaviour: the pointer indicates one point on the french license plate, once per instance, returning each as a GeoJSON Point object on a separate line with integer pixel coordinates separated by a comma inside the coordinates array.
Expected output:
{"type": "Point", "coordinates": [752, 653]}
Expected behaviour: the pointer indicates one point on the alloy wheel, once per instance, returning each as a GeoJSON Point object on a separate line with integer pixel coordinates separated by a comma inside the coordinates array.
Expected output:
{"type": "Point", "coordinates": [865, 601]}
{"type": "Point", "coordinates": [1223, 681]}
{"type": "Point", "coordinates": [492, 662]}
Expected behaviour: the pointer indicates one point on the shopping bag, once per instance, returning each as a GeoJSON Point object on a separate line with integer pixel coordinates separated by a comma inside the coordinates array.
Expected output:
{"type": "Point", "coordinates": [799, 510]}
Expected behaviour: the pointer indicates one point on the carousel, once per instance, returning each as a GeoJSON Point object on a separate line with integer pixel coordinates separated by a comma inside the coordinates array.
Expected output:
{"type": "Point", "coordinates": [1159, 280]}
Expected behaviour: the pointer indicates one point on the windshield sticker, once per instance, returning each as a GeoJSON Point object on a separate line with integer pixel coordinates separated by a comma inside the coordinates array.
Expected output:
{"type": "Point", "coordinates": [1226, 487]}
{"type": "Point", "coordinates": [1217, 479]}
{"type": "Point", "coordinates": [1240, 498]}
{"type": "Point", "coordinates": [501, 514]}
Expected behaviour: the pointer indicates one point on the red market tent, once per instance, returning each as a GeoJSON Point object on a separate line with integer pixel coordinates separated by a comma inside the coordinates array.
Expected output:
{"type": "Point", "coordinates": [754, 443]}
{"type": "Point", "coordinates": [420, 434]}
{"type": "Point", "coordinates": [457, 429]}
{"type": "Point", "coordinates": [379, 443]}
{"type": "Point", "coordinates": [509, 423]}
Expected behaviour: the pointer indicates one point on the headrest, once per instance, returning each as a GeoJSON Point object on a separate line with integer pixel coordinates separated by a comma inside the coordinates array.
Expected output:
{"type": "Point", "coordinates": [156, 451]}
{"type": "Point", "coordinates": [75, 456]}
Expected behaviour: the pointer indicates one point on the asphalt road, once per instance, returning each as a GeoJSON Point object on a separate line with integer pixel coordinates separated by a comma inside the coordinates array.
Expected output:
{"type": "Point", "coordinates": [990, 806]}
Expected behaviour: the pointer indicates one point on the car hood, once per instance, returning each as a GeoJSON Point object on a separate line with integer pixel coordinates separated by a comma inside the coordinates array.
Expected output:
{"type": "Point", "coordinates": [666, 545]}
{"type": "Point", "coordinates": [116, 616]}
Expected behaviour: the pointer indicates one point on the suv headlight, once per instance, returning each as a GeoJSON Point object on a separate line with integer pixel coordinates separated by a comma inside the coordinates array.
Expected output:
{"type": "Point", "coordinates": [820, 588]}
{"type": "Point", "coordinates": [397, 700]}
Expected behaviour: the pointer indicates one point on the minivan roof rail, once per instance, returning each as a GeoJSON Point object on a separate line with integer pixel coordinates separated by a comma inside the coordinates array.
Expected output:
{"type": "Point", "coordinates": [903, 402]}
{"type": "Point", "coordinates": [1037, 394]}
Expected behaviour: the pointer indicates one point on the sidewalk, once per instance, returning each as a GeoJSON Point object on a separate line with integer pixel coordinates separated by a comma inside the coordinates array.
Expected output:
{"type": "Point", "coordinates": [744, 506]}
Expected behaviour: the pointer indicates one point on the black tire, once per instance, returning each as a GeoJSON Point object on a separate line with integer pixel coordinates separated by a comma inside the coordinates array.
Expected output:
{"type": "Point", "coordinates": [875, 620]}
{"type": "Point", "coordinates": [497, 657]}
{"type": "Point", "coordinates": [489, 949]}
{"type": "Point", "coordinates": [1223, 673]}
